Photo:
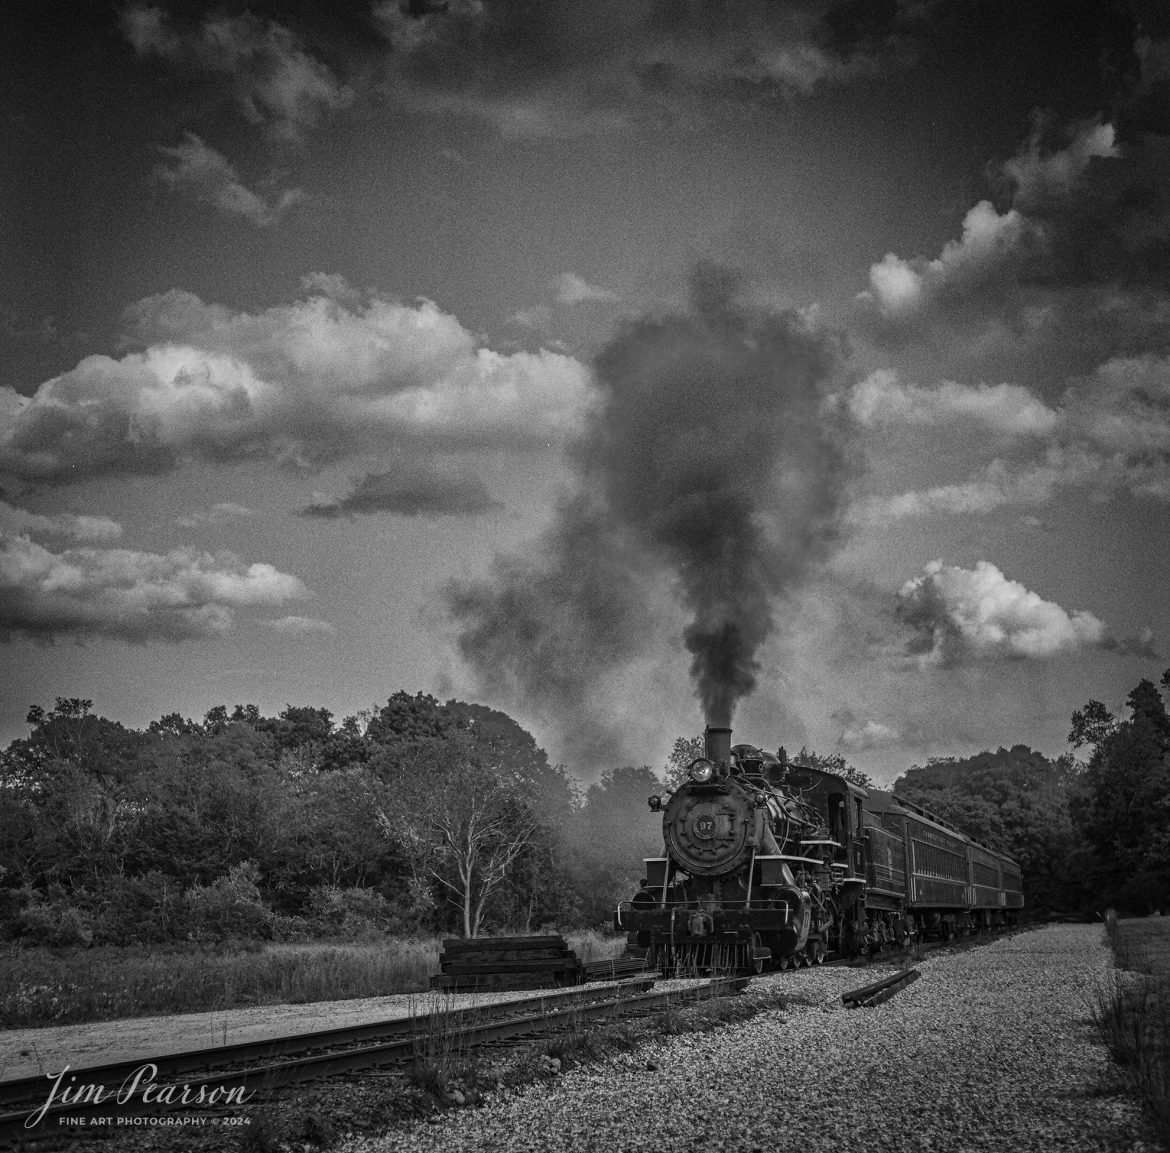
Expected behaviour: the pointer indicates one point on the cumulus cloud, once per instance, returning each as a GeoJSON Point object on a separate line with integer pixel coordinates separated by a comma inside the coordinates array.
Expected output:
{"type": "Point", "coordinates": [997, 487]}
{"type": "Point", "coordinates": [1109, 434]}
{"type": "Point", "coordinates": [960, 615]}
{"type": "Point", "coordinates": [94, 529]}
{"type": "Point", "coordinates": [859, 735]}
{"type": "Point", "coordinates": [221, 513]}
{"type": "Point", "coordinates": [130, 595]}
{"type": "Point", "coordinates": [537, 317]}
{"type": "Point", "coordinates": [421, 488]}
{"type": "Point", "coordinates": [271, 77]}
{"type": "Point", "coordinates": [572, 289]}
{"type": "Point", "coordinates": [1070, 270]}
{"type": "Point", "coordinates": [301, 384]}
{"type": "Point", "coordinates": [882, 398]}
{"type": "Point", "coordinates": [1045, 178]}
{"type": "Point", "coordinates": [1121, 414]}
{"type": "Point", "coordinates": [199, 171]}
{"type": "Point", "coordinates": [1139, 644]}
{"type": "Point", "coordinates": [991, 244]}
{"type": "Point", "coordinates": [561, 68]}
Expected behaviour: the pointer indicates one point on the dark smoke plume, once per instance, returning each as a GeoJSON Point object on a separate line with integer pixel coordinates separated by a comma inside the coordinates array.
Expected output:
{"type": "Point", "coordinates": [718, 461]}
{"type": "Point", "coordinates": [543, 630]}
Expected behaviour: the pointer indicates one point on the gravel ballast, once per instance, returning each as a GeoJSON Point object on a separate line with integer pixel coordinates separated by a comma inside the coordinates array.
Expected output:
{"type": "Point", "coordinates": [992, 1049]}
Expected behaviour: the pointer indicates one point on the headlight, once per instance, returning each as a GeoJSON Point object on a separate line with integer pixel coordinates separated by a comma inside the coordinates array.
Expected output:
{"type": "Point", "coordinates": [701, 771]}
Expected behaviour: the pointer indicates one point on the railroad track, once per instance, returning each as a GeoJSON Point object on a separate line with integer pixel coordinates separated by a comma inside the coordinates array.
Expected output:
{"type": "Point", "coordinates": [798, 963]}
{"type": "Point", "coordinates": [227, 1077]}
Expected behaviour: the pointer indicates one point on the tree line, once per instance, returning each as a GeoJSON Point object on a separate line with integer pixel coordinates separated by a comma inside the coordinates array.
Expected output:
{"type": "Point", "coordinates": [1090, 831]}
{"type": "Point", "coordinates": [417, 816]}
{"type": "Point", "coordinates": [420, 816]}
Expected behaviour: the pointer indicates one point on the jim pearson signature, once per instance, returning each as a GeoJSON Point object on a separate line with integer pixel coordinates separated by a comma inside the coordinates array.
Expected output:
{"type": "Point", "coordinates": [141, 1084]}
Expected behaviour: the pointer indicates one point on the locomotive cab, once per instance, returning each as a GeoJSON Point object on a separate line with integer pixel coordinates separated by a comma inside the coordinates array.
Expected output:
{"type": "Point", "coordinates": [841, 803]}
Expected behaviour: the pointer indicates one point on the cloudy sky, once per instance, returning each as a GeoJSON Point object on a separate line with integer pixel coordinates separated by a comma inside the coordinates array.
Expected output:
{"type": "Point", "coordinates": [615, 364]}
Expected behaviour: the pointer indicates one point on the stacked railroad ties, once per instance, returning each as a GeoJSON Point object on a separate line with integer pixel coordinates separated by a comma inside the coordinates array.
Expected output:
{"type": "Point", "coordinates": [522, 963]}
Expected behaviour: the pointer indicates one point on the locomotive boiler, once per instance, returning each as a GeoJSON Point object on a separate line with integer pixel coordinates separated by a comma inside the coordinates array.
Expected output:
{"type": "Point", "coordinates": [768, 863]}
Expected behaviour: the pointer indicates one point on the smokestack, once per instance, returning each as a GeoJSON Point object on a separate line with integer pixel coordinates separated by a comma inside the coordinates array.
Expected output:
{"type": "Point", "coordinates": [717, 744]}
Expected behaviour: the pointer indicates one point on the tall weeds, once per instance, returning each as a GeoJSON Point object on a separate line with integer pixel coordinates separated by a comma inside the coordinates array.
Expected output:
{"type": "Point", "coordinates": [442, 1066]}
{"type": "Point", "coordinates": [41, 987]}
{"type": "Point", "coordinates": [1132, 1013]}
{"type": "Point", "coordinates": [593, 945]}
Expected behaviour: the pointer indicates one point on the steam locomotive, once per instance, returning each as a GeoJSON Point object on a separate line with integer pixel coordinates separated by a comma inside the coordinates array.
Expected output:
{"type": "Point", "coordinates": [770, 863]}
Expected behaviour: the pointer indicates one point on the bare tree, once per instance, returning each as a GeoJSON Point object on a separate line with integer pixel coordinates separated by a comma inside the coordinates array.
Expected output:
{"type": "Point", "coordinates": [464, 823]}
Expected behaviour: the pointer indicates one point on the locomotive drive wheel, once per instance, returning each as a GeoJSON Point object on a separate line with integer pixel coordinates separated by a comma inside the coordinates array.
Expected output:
{"type": "Point", "coordinates": [757, 962]}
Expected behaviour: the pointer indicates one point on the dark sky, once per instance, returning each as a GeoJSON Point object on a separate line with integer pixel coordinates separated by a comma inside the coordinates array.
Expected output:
{"type": "Point", "coordinates": [306, 312]}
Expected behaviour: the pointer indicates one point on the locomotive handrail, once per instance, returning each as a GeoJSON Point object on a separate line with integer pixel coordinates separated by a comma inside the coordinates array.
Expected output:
{"type": "Point", "coordinates": [666, 880]}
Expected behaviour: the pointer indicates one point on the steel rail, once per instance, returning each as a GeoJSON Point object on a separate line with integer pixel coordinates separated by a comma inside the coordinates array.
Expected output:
{"type": "Point", "coordinates": [870, 995]}
{"type": "Point", "coordinates": [191, 1060]}
{"type": "Point", "coordinates": [200, 1092]}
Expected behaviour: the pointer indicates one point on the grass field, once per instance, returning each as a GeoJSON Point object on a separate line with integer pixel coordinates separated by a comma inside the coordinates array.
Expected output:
{"type": "Point", "coordinates": [56, 987]}
{"type": "Point", "coordinates": [1134, 1014]}
{"type": "Point", "coordinates": [1144, 945]}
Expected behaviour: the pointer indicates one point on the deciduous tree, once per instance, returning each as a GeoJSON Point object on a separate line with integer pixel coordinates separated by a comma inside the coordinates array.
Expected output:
{"type": "Point", "coordinates": [1122, 808]}
{"type": "Point", "coordinates": [1015, 800]}
{"type": "Point", "coordinates": [833, 763]}
{"type": "Point", "coordinates": [461, 817]}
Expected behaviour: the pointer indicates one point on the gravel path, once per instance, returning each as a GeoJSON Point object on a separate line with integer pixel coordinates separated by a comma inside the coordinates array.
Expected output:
{"type": "Point", "coordinates": [992, 1049]}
